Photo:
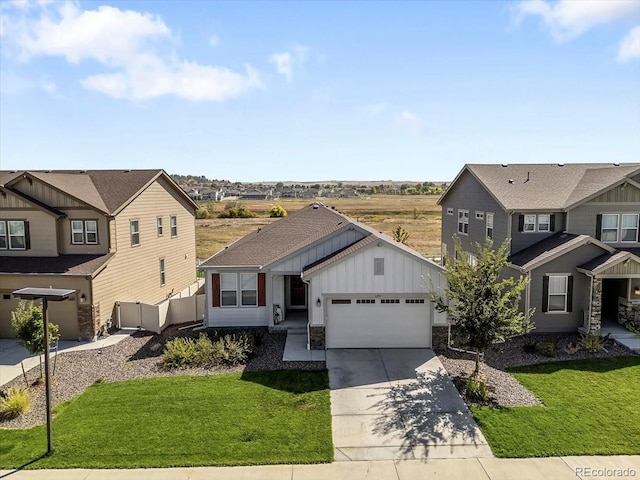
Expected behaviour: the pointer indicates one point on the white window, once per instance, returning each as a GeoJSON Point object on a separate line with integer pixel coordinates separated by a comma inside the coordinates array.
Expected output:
{"type": "Point", "coordinates": [544, 222]}
{"type": "Point", "coordinates": [162, 274]}
{"type": "Point", "coordinates": [17, 235]}
{"type": "Point", "coordinates": [529, 223]}
{"type": "Point", "coordinates": [609, 231]}
{"type": "Point", "coordinates": [558, 285]}
{"type": "Point", "coordinates": [479, 215]}
{"type": "Point", "coordinates": [249, 289]}
{"type": "Point", "coordinates": [471, 259]}
{"type": "Point", "coordinates": [4, 244]}
{"type": "Point", "coordinates": [135, 233]}
{"type": "Point", "coordinates": [449, 211]}
{"type": "Point", "coordinates": [629, 228]}
{"type": "Point", "coordinates": [463, 222]}
{"type": "Point", "coordinates": [77, 232]}
{"type": "Point", "coordinates": [91, 232]}
{"type": "Point", "coordinates": [228, 290]}
{"type": "Point", "coordinates": [174, 226]}
{"type": "Point", "coordinates": [159, 226]}
{"type": "Point", "coordinates": [490, 226]}
{"type": "Point", "coordinates": [378, 266]}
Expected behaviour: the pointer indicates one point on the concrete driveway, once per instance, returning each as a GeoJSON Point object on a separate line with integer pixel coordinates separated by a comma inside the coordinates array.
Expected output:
{"type": "Point", "coordinates": [389, 404]}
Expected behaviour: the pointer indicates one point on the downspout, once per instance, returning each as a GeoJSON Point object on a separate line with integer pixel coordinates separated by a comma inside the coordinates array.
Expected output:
{"type": "Point", "coordinates": [309, 307]}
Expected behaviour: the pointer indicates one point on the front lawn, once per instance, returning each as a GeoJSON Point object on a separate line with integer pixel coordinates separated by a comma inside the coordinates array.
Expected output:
{"type": "Point", "coordinates": [232, 419]}
{"type": "Point", "coordinates": [591, 407]}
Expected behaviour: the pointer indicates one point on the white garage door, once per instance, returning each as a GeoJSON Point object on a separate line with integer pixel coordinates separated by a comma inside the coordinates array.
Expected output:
{"type": "Point", "coordinates": [388, 322]}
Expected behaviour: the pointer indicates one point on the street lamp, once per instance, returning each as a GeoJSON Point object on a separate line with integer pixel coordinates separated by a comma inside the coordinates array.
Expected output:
{"type": "Point", "coordinates": [46, 295]}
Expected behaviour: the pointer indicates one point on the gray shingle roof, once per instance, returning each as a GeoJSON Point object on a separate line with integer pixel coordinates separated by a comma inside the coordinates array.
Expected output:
{"type": "Point", "coordinates": [60, 265]}
{"type": "Point", "coordinates": [608, 260]}
{"type": "Point", "coordinates": [339, 255]}
{"type": "Point", "coordinates": [105, 190]}
{"type": "Point", "coordinates": [280, 238]}
{"type": "Point", "coordinates": [548, 186]}
{"type": "Point", "coordinates": [550, 247]}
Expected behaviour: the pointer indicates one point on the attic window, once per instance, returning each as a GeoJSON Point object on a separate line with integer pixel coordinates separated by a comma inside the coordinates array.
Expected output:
{"type": "Point", "coordinates": [378, 266]}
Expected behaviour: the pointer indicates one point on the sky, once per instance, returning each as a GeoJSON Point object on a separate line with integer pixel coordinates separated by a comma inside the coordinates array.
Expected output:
{"type": "Point", "coordinates": [338, 90]}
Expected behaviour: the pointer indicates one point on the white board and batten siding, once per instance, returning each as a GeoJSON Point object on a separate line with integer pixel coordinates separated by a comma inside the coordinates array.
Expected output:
{"type": "Point", "coordinates": [407, 282]}
{"type": "Point", "coordinates": [314, 253]}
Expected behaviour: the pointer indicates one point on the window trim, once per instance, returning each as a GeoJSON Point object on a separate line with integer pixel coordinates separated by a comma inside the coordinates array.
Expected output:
{"type": "Point", "coordinates": [173, 225]}
{"type": "Point", "coordinates": [565, 294]}
{"type": "Point", "coordinates": [159, 227]}
{"type": "Point", "coordinates": [622, 228]}
{"type": "Point", "coordinates": [4, 235]}
{"type": "Point", "coordinates": [534, 224]}
{"type": "Point", "coordinates": [86, 232]}
{"type": "Point", "coordinates": [241, 290]}
{"type": "Point", "coordinates": [235, 276]}
{"type": "Point", "coordinates": [548, 215]}
{"type": "Point", "coordinates": [489, 215]}
{"type": "Point", "coordinates": [462, 216]}
{"type": "Point", "coordinates": [137, 232]}
{"type": "Point", "coordinates": [239, 301]}
{"type": "Point", "coordinates": [9, 236]}
{"type": "Point", "coordinates": [77, 232]}
{"type": "Point", "coordinates": [163, 271]}
{"type": "Point", "coordinates": [617, 228]}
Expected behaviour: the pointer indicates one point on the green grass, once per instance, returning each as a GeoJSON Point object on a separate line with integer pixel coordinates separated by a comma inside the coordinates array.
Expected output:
{"type": "Point", "coordinates": [231, 419]}
{"type": "Point", "coordinates": [591, 407]}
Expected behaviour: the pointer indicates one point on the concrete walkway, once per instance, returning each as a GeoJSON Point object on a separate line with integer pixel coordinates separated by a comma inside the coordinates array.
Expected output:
{"type": "Point", "coordinates": [553, 468]}
{"type": "Point", "coordinates": [12, 354]}
{"type": "Point", "coordinates": [398, 404]}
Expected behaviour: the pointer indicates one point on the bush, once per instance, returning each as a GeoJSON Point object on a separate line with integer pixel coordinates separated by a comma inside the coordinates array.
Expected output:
{"type": "Point", "coordinates": [633, 326]}
{"type": "Point", "coordinates": [15, 402]}
{"type": "Point", "coordinates": [529, 345]}
{"type": "Point", "coordinates": [233, 349]}
{"type": "Point", "coordinates": [236, 210]}
{"type": "Point", "coordinates": [186, 352]}
{"type": "Point", "coordinates": [277, 211]}
{"type": "Point", "coordinates": [203, 213]}
{"type": "Point", "coordinates": [592, 343]}
{"type": "Point", "coordinates": [549, 348]}
{"type": "Point", "coordinates": [476, 390]}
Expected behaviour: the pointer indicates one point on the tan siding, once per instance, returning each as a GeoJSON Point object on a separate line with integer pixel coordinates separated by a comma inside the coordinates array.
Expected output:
{"type": "Point", "coordinates": [66, 247]}
{"type": "Point", "coordinates": [42, 228]}
{"type": "Point", "coordinates": [64, 314]}
{"type": "Point", "coordinates": [620, 194]}
{"type": "Point", "coordinates": [133, 274]}
{"type": "Point", "coordinates": [46, 194]}
{"type": "Point", "coordinates": [10, 201]}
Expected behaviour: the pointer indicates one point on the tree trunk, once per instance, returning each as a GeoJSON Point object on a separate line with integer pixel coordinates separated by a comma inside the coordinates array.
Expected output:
{"type": "Point", "coordinates": [476, 372]}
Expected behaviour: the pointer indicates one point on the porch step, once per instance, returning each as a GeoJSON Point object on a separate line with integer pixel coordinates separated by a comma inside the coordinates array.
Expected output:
{"type": "Point", "coordinates": [632, 344]}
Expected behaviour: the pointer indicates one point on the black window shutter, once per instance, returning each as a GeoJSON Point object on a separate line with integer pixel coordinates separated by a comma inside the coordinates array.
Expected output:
{"type": "Point", "coordinates": [552, 224]}
{"type": "Point", "coordinates": [545, 294]}
{"type": "Point", "coordinates": [520, 223]}
{"type": "Point", "coordinates": [27, 237]}
{"type": "Point", "coordinates": [570, 293]}
{"type": "Point", "coordinates": [598, 226]}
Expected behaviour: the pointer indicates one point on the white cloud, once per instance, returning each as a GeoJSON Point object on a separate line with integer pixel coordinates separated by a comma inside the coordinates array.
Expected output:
{"type": "Point", "coordinates": [214, 41]}
{"type": "Point", "coordinates": [124, 40]}
{"type": "Point", "coordinates": [630, 46]}
{"type": "Point", "coordinates": [567, 19]}
{"type": "Point", "coordinates": [411, 120]}
{"type": "Point", "coordinates": [285, 62]}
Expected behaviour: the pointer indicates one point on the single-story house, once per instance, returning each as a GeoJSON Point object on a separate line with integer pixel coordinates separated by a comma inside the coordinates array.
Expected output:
{"type": "Point", "coordinates": [355, 287]}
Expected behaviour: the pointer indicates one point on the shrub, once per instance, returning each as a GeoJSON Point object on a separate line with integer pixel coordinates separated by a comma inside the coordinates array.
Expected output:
{"type": "Point", "coordinates": [277, 211]}
{"type": "Point", "coordinates": [203, 350]}
{"type": "Point", "coordinates": [236, 210]}
{"type": "Point", "coordinates": [233, 349]}
{"type": "Point", "coordinates": [203, 213]}
{"type": "Point", "coordinates": [15, 402]}
{"type": "Point", "coordinates": [529, 345]}
{"type": "Point", "coordinates": [476, 390]}
{"type": "Point", "coordinates": [187, 352]}
{"type": "Point", "coordinates": [400, 234]}
{"type": "Point", "coordinates": [592, 343]}
{"type": "Point", "coordinates": [549, 348]}
{"type": "Point", "coordinates": [633, 326]}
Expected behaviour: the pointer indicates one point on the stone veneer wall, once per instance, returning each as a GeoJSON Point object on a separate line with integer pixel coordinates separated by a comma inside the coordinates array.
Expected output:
{"type": "Point", "coordinates": [88, 321]}
{"type": "Point", "coordinates": [439, 336]}
{"type": "Point", "coordinates": [595, 321]}
{"type": "Point", "coordinates": [316, 338]}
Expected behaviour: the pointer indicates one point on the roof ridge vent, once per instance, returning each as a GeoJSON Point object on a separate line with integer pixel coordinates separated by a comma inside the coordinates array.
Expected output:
{"type": "Point", "coordinates": [616, 164]}
{"type": "Point", "coordinates": [561, 164]}
{"type": "Point", "coordinates": [511, 180]}
{"type": "Point", "coordinates": [504, 165]}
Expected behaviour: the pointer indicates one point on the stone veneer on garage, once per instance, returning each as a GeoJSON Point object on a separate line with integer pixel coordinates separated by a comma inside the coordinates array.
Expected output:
{"type": "Point", "coordinates": [88, 321]}
{"type": "Point", "coordinates": [316, 337]}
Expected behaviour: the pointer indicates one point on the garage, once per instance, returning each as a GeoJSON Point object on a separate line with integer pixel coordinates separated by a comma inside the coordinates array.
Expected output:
{"type": "Point", "coordinates": [392, 321]}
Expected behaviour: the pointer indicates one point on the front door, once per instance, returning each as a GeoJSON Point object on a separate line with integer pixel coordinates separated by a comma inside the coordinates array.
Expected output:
{"type": "Point", "coordinates": [298, 294]}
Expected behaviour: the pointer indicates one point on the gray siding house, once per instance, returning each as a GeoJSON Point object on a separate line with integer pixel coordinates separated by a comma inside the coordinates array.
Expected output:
{"type": "Point", "coordinates": [573, 231]}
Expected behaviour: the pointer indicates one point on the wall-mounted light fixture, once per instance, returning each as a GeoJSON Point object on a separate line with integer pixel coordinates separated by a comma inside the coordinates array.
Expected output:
{"type": "Point", "coordinates": [318, 302]}
{"type": "Point", "coordinates": [636, 290]}
{"type": "Point", "coordinates": [83, 298]}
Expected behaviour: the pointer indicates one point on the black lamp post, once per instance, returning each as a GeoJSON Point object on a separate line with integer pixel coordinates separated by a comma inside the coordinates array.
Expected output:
{"type": "Point", "coordinates": [46, 295]}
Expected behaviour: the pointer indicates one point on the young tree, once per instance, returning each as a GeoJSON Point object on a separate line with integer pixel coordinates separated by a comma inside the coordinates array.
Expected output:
{"type": "Point", "coordinates": [277, 211]}
{"type": "Point", "coordinates": [400, 234]}
{"type": "Point", "coordinates": [483, 305]}
{"type": "Point", "coordinates": [27, 322]}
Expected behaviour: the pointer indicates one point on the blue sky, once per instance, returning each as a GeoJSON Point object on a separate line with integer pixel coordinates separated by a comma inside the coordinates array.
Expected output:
{"type": "Point", "coordinates": [251, 91]}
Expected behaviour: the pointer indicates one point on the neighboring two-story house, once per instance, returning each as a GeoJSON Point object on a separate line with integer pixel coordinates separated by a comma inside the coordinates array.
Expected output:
{"type": "Point", "coordinates": [110, 235]}
{"type": "Point", "coordinates": [573, 231]}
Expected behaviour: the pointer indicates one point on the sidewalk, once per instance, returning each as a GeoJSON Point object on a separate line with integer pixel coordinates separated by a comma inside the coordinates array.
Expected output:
{"type": "Point", "coordinates": [11, 353]}
{"type": "Point", "coordinates": [553, 468]}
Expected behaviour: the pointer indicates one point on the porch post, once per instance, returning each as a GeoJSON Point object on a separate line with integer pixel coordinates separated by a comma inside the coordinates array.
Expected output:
{"type": "Point", "coordinates": [596, 306]}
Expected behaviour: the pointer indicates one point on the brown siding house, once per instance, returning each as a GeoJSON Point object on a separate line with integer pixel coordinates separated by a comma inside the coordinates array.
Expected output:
{"type": "Point", "coordinates": [110, 235]}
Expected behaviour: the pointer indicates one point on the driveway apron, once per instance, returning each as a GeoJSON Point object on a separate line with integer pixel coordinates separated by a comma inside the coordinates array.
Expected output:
{"type": "Point", "coordinates": [389, 404]}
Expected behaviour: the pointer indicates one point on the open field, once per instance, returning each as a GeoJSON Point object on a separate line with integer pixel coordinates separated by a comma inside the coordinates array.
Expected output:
{"type": "Point", "coordinates": [259, 418]}
{"type": "Point", "coordinates": [418, 214]}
